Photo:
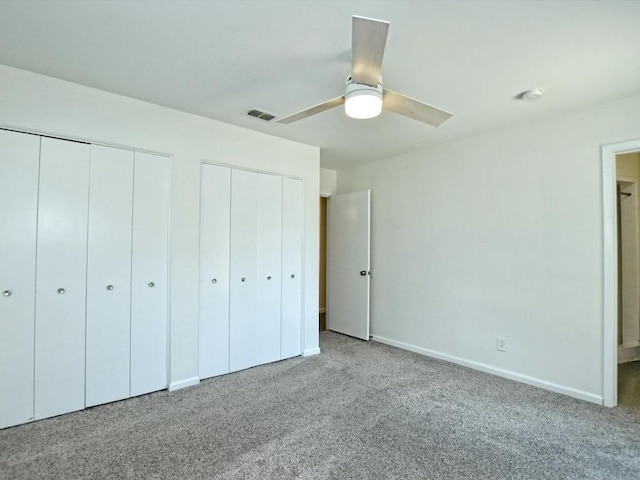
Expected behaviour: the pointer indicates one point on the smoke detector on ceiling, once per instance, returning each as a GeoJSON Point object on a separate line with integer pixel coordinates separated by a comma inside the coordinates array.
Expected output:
{"type": "Point", "coordinates": [531, 95]}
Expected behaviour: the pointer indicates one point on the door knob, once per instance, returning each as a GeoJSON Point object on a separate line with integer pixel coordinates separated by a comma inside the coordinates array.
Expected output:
{"type": "Point", "coordinates": [214, 280]}
{"type": "Point", "coordinates": [7, 293]}
{"type": "Point", "coordinates": [363, 273]}
{"type": "Point", "coordinates": [151, 284]}
{"type": "Point", "coordinates": [244, 278]}
{"type": "Point", "coordinates": [61, 291]}
{"type": "Point", "coordinates": [293, 276]}
{"type": "Point", "coordinates": [109, 287]}
{"type": "Point", "coordinates": [269, 277]}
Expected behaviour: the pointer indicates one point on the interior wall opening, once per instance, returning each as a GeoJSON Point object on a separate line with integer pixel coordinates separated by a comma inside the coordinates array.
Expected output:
{"type": "Point", "coordinates": [322, 320]}
{"type": "Point", "coordinates": [628, 278]}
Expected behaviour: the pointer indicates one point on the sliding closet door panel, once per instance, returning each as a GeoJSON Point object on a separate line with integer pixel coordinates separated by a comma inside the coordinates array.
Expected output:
{"type": "Point", "coordinates": [215, 213]}
{"type": "Point", "coordinates": [243, 281]}
{"type": "Point", "coordinates": [292, 228]}
{"type": "Point", "coordinates": [149, 287]}
{"type": "Point", "coordinates": [61, 277]}
{"type": "Point", "coordinates": [266, 331]}
{"type": "Point", "coordinates": [19, 163]}
{"type": "Point", "coordinates": [109, 275]}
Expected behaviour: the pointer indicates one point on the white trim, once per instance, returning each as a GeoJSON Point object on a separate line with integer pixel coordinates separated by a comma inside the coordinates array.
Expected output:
{"type": "Point", "coordinates": [43, 133]}
{"type": "Point", "coordinates": [536, 382]}
{"type": "Point", "coordinates": [187, 382]}
{"type": "Point", "coordinates": [309, 352]}
{"type": "Point", "coordinates": [610, 269]}
{"type": "Point", "coordinates": [248, 169]}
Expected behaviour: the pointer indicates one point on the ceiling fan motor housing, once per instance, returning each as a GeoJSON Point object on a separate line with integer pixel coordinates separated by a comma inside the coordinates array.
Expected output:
{"type": "Point", "coordinates": [363, 101]}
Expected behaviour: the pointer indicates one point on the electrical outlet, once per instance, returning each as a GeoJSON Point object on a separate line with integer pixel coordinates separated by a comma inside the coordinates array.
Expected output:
{"type": "Point", "coordinates": [501, 344]}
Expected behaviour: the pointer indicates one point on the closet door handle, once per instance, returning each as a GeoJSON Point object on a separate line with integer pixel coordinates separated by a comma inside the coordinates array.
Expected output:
{"type": "Point", "coordinates": [269, 277]}
{"type": "Point", "coordinates": [151, 284]}
{"type": "Point", "coordinates": [293, 276]}
{"type": "Point", "coordinates": [109, 287]}
{"type": "Point", "coordinates": [215, 280]}
{"type": "Point", "coordinates": [7, 293]}
{"type": "Point", "coordinates": [244, 279]}
{"type": "Point", "coordinates": [61, 291]}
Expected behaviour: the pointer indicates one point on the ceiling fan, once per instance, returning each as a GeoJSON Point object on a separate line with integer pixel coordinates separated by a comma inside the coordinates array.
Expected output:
{"type": "Point", "coordinates": [364, 95]}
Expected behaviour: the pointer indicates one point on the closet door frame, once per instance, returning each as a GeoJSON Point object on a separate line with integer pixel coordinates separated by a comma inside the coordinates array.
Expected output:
{"type": "Point", "coordinates": [302, 263]}
{"type": "Point", "coordinates": [91, 142]}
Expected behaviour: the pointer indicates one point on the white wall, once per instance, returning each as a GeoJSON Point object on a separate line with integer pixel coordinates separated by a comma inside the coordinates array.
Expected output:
{"type": "Point", "coordinates": [328, 182]}
{"type": "Point", "coordinates": [498, 234]}
{"type": "Point", "coordinates": [44, 104]}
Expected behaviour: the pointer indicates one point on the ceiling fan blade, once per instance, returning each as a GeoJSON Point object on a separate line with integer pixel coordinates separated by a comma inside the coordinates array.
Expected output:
{"type": "Point", "coordinates": [369, 37]}
{"type": "Point", "coordinates": [334, 102]}
{"type": "Point", "coordinates": [409, 107]}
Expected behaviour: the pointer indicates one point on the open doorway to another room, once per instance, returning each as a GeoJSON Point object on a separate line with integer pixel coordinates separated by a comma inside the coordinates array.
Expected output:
{"type": "Point", "coordinates": [628, 278]}
{"type": "Point", "coordinates": [323, 264]}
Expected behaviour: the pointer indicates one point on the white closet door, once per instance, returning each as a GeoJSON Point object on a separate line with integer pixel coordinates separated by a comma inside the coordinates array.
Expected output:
{"type": "Point", "coordinates": [61, 277]}
{"type": "Point", "coordinates": [19, 161]}
{"type": "Point", "coordinates": [149, 287]}
{"type": "Point", "coordinates": [215, 212]}
{"type": "Point", "coordinates": [109, 275]}
{"type": "Point", "coordinates": [266, 329]}
{"type": "Point", "coordinates": [243, 272]}
{"type": "Point", "coordinates": [292, 229]}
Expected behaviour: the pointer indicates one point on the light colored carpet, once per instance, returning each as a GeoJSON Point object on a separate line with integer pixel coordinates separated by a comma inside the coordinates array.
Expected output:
{"type": "Point", "coordinates": [359, 410]}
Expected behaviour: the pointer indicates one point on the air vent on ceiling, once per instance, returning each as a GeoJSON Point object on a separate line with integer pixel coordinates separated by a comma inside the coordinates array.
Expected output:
{"type": "Point", "coordinates": [262, 115]}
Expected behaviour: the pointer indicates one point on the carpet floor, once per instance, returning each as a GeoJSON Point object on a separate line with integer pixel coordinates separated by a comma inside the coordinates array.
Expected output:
{"type": "Point", "coordinates": [359, 410]}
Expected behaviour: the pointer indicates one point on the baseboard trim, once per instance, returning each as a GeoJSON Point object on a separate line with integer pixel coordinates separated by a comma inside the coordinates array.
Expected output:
{"type": "Point", "coordinates": [536, 382]}
{"type": "Point", "coordinates": [309, 352]}
{"type": "Point", "coordinates": [187, 382]}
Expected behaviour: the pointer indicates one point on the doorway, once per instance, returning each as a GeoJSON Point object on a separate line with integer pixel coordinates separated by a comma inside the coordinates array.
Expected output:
{"type": "Point", "coordinates": [628, 294]}
{"type": "Point", "coordinates": [322, 321]}
{"type": "Point", "coordinates": [621, 259]}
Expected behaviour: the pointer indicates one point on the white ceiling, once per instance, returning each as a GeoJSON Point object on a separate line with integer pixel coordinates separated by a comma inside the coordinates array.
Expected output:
{"type": "Point", "coordinates": [219, 58]}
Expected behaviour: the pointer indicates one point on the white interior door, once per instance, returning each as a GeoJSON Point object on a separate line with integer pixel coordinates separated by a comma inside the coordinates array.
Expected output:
{"type": "Point", "coordinates": [149, 288]}
{"type": "Point", "coordinates": [19, 163]}
{"type": "Point", "coordinates": [243, 281]}
{"type": "Point", "coordinates": [215, 213]}
{"type": "Point", "coordinates": [61, 280]}
{"type": "Point", "coordinates": [292, 230]}
{"type": "Point", "coordinates": [348, 268]}
{"type": "Point", "coordinates": [266, 329]}
{"type": "Point", "coordinates": [109, 275]}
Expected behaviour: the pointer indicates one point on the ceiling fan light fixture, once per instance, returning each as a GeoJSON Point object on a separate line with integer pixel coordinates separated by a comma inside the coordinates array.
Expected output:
{"type": "Point", "coordinates": [364, 96]}
{"type": "Point", "coordinates": [363, 101]}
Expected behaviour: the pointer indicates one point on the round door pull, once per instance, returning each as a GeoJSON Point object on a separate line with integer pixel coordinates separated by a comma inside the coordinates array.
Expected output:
{"type": "Point", "coordinates": [109, 287]}
{"type": "Point", "coordinates": [7, 293]}
{"type": "Point", "coordinates": [215, 280]}
{"type": "Point", "coordinates": [269, 277]}
{"type": "Point", "coordinates": [363, 273]}
{"type": "Point", "coordinates": [61, 291]}
{"type": "Point", "coordinates": [244, 279]}
{"type": "Point", "coordinates": [293, 276]}
{"type": "Point", "coordinates": [151, 284]}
